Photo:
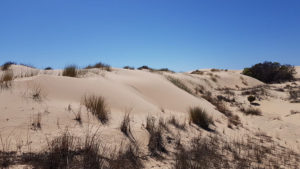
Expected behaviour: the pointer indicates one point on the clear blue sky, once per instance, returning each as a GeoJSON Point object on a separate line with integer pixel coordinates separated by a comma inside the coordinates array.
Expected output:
{"type": "Point", "coordinates": [179, 34]}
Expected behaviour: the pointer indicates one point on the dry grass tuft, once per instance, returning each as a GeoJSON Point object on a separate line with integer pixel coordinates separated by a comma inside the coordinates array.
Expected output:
{"type": "Point", "coordinates": [156, 143]}
{"type": "Point", "coordinates": [97, 106]}
{"type": "Point", "coordinates": [125, 127]}
{"type": "Point", "coordinates": [176, 123]}
{"type": "Point", "coordinates": [99, 65]}
{"type": "Point", "coordinates": [251, 111]}
{"type": "Point", "coordinates": [200, 117]}
{"type": "Point", "coordinates": [6, 79]}
{"type": "Point", "coordinates": [70, 71]}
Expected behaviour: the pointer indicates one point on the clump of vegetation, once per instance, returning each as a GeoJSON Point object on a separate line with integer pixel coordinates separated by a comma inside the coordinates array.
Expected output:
{"type": "Point", "coordinates": [37, 122]}
{"type": "Point", "coordinates": [179, 84]}
{"type": "Point", "coordinates": [165, 70]}
{"type": "Point", "coordinates": [200, 117]}
{"type": "Point", "coordinates": [6, 79]}
{"type": "Point", "coordinates": [97, 106]}
{"type": "Point", "coordinates": [271, 72]}
{"type": "Point", "coordinates": [251, 111]}
{"type": "Point", "coordinates": [251, 98]}
{"type": "Point", "coordinates": [70, 71]}
{"type": "Point", "coordinates": [100, 65]}
{"type": "Point", "coordinates": [6, 65]}
{"type": "Point", "coordinates": [197, 72]}
{"type": "Point", "coordinates": [128, 67]}
{"type": "Point", "coordinates": [176, 123]}
{"type": "Point", "coordinates": [144, 67]}
{"type": "Point", "coordinates": [220, 106]}
{"type": "Point", "coordinates": [125, 127]}
{"type": "Point", "coordinates": [294, 96]}
{"type": "Point", "coordinates": [156, 143]}
{"type": "Point", "coordinates": [48, 68]}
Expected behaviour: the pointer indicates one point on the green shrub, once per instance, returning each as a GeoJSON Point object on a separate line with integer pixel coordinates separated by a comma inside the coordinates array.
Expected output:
{"type": "Point", "coordinates": [271, 72]}
{"type": "Point", "coordinates": [199, 117]}
{"type": "Point", "coordinates": [128, 67]}
{"type": "Point", "coordinates": [70, 71]}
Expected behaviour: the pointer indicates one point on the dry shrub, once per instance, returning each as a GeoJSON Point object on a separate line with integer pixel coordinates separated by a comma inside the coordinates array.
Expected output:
{"type": "Point", "coordinates": [99, 65]}
{"type": "Point", "coordinates": [200, 117]}
{"type": "Point", "coordinates": [125, 127]}
{"type": "Point", "coordinates": [156, 143]}
{"type": "Point", "coordinates": [97, 106]}
{"type": "Point", "coordinates": [127, 158]}
{"type": "Point", "coordinates": [221, 107]}
{"type": "Point", "coordinates": [176, 123]}
{"type": "Point", "coordinates": [234, 120]}
{"type": "Point", "coordinates": [70, 71]}
{"type": "Point", "coordinates": [6, 65]}
{"type": "Point", "coordinates": [144, 67]}
{"type": "Point", "coordinates": [128, 67]}
{"type": "Point", "coordinates": [251, 111]}
{"type": "Point", "coordinates": [6, 79]}
{"type": "Point", "coordinates": [48, 68]}
{"type": "Point", "coordinates": [197, 72]}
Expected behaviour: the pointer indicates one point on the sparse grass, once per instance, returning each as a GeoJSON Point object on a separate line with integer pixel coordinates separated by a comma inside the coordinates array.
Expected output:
{"type": "Point", "coordinates": [37, 122]}
{"type": "Point", "coordinates": [6, 79]}
{"type": "Point", "coordinates": [6, 65]}
{"type": "Point", "coordinates": [97, 106]}
{"type": "Point", "coordinates": [156, 144]}
{"type": "Point", "coordinates": [179, 84]}
{"type": "Point", "coordinates": [127, 159]}
{"type": "Point", "coordinates": [176, 123]}
{"type": "Point", "coordinates": [128, 67]}
{"type": "Point", "coordinates": [70, 71]}
{"type": "Point", "coordinates": [125, 127]}
{"type": "Point", "coordinates": [234, 120]}
{"type": "Point", "coordinates": [197, 72]}
{"type": "Point", "coordinates": [200, 117]}
{"type": "Point", "coordinates": [165, 70]}
{"type": "Point", "coordinates": [220, 106]}
{"type": "Point", "coordinates": [251, 111]}
{"type": "Point", "coordinates": [99, 65]}
{"type": "Point", "coordinates": [36, 93]}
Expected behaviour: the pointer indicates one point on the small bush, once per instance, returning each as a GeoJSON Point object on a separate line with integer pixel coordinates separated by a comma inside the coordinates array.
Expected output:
{"type": "Point", "coordinates": [6, 65]}
{"type": "Point", "coordinates": [165, 70]}
{"type": "Point", "coordinates": [99, 65]}
{"type": "Point", "coordinates": [6, 79]}
{"type": "Point", "coordinates": [197, 72]}
{"type": "Point", "coordinates": [37, 122]}
{"type": "Point", "coordinates": [155, 144]}
{"type": "Point", "coordinates": [128, 67]}
{"type": "Point", "coordinates": [271, 72]}
{"type": "Point", "coordinates": [176, 123]}
{"type": "Point", "coordinates": [48, 68]}
{"type": "Point", "coordinates": [251, 98]}
{"type": "Point", "coordinates": [70, 71]}
{"type": "Point", "coordinates": [251, 111]}
{"type": "Point", "coordinates": [97, 106]}
{"type": "Point", "coordinates": [144, 67]}
{"type": "Point", "coordinates": [199, 117]}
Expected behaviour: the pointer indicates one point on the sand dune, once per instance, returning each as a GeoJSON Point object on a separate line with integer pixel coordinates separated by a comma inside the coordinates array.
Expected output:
{"type": "Point", "coordinates": [143, 93]}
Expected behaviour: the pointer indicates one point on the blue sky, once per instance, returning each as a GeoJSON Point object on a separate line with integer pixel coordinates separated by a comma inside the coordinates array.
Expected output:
{"type": "Point", "coordinates": [179, 34]}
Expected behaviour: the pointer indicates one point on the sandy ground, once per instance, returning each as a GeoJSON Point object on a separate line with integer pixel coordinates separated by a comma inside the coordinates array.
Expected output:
{"type": "Point", "coordinates": [142, 93]}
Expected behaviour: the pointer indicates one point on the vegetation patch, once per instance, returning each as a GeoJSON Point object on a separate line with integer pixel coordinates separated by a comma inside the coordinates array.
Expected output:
{"type": "Point", "coordinates": [70, 71]}
{"type": "Point", "coordinates": [271, 72]}
{"type": "Point", "coordinates": [200, 117]}
{"type": "Point", "coordinates": [97, 106]}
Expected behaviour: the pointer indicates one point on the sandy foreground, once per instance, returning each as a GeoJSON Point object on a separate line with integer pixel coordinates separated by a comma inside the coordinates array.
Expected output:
{"type": "Point", "coordinates": [142, 93]}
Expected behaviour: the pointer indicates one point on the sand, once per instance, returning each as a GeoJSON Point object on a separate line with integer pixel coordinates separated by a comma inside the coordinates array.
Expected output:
{"type": "Point", "coordinates": [142, 93]}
